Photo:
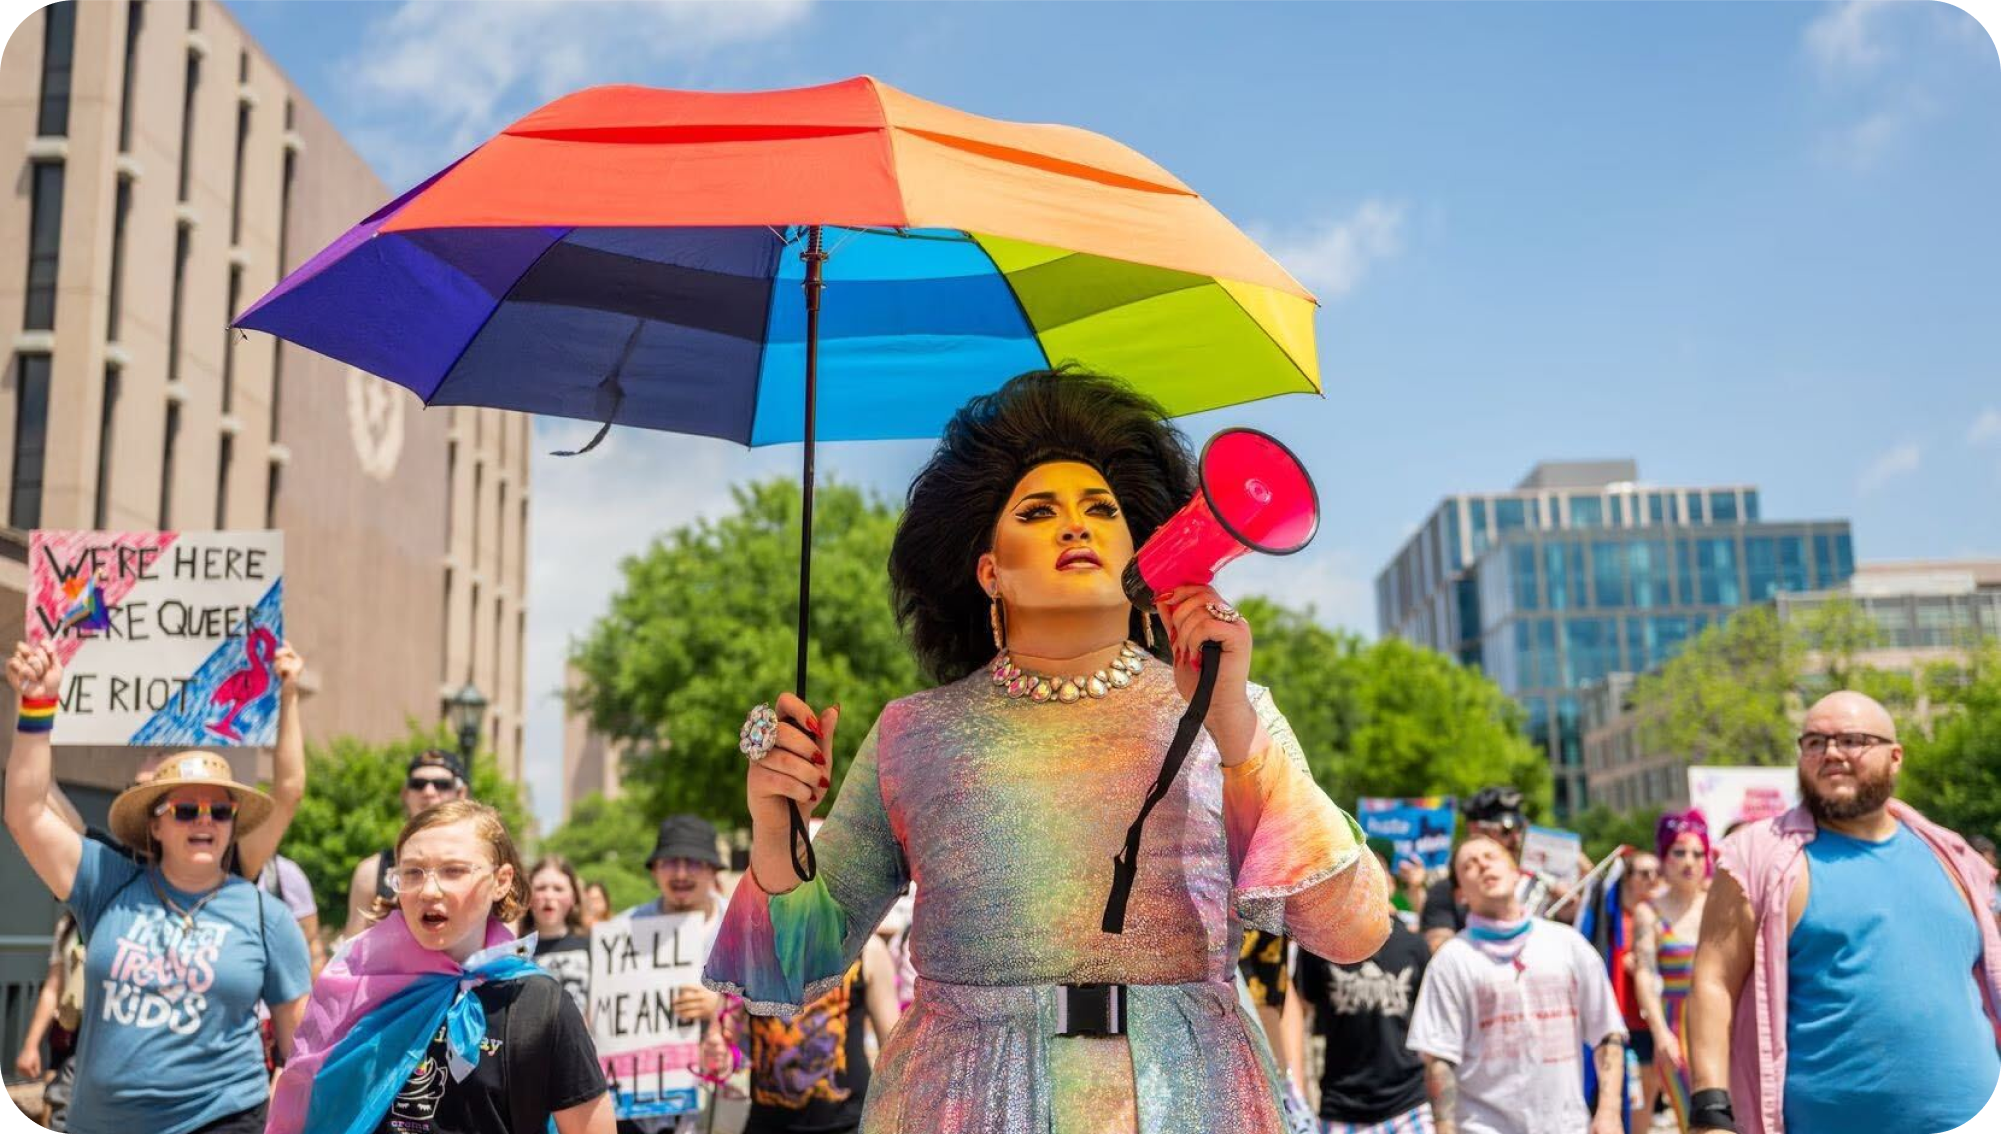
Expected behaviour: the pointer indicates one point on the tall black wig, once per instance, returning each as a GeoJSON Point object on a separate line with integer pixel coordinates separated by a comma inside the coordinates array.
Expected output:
{"type": "Point", "coordinates": [989, 445]}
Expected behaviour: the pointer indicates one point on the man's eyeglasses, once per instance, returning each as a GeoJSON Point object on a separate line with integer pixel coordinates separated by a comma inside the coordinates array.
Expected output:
{"type": "Point", "coordinates": [189, 812]}
{"type": "Point", "coordinates": [1814, 745]}
{"type": "Point", "coordinates": [450, 876]}
{"type": "Point", "coordinates": [430, 783]}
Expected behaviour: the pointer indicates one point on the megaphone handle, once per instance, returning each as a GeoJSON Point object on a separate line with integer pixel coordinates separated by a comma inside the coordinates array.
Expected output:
{"type": "Point", "coordinates": [1125, 867]}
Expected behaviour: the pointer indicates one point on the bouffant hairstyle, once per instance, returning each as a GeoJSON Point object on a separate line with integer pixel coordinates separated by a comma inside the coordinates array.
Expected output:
{"type": "Point", "coordinates": [993, 441]}
{"type": "Point", "coordinates": [487, 824]}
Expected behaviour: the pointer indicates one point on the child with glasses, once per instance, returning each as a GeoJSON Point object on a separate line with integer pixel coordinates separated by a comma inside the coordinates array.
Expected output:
{"type": "Point", "coordinates": [179, 950]}
{"type": "Point", "coordinates": [439, 1019]}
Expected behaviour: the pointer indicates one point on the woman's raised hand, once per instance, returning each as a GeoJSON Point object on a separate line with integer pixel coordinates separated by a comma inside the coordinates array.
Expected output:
{"type": "Point", "coordinates": [796, 770]}
{"type": "Point", "coordinates": [34, 671]}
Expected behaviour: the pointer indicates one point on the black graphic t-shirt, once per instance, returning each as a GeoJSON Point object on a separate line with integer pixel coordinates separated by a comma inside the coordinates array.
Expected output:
{"type": "Point", "coordinates": [568, 959]}
{"type": "Point", "coordinates": [567, 1065]}
{"type": "Point", "coordinates": [811, 1072]}
{"type": "Point", "coordinates": [1364, 1011]}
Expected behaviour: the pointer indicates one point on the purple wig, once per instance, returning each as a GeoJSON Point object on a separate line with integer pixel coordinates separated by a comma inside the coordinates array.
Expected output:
{"type": "Point", "coordinates": [1674, 825]}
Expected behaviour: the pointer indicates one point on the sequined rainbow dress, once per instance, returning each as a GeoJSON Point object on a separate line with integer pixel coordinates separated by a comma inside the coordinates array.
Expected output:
{"type": "Point", "coordinates": [1006, 814]}
{"type": "Point", "coordinates": [1676, 958]}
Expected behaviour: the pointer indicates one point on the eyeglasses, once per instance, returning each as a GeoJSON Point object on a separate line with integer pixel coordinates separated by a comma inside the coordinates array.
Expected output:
{"type": "Point", "coordinates": [430, 783]}
{"type": "Point", "coordinates": [450, 876]}
{"type": "Point", "coordinates": [189, 812]}
{"type": "Point", "coordinates": [1814, 745]}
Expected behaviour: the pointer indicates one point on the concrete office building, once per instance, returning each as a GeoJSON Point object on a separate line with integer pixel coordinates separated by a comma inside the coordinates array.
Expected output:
{"type": "Point", "coordinates": [1924, 613]}
{"type": "Point", "coordinates": [1581, 571]}
{"type": "Point", "coordinates": [164, 173]}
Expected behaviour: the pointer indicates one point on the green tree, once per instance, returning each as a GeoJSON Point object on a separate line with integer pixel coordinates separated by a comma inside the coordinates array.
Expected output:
{"type": "Point", "coordinates": [1390, 718]}
{"type": "Point", "coordinates": [607, 841]}
{"type": "Point", "coordinates": [1723, 698]}
{"type": "Point", "coordinates": [1954, 776]}
{"type": "Point", "coordinates": [1604, 829]}
{"type": "Point", "coordinates": [704, 627]}
{"type": "Point", "coordinates": [353, 807]}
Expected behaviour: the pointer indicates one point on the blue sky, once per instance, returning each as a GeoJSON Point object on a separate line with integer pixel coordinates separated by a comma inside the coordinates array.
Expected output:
{"type": "Point", "coordinates": [1738, 242]}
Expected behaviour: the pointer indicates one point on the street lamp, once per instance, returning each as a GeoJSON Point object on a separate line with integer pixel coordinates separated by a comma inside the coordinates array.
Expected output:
{"type": "Point", "coordinates": [467, 712]}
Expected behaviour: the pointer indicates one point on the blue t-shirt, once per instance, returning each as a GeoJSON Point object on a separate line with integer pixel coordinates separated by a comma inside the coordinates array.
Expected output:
{"type": "Point", "coordinates": [1885, 1031]}
{"type": "Point", "coordinates": [169, 1039]}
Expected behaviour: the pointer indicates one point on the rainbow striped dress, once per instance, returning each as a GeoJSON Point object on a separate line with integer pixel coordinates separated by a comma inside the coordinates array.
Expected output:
{"type": "Point", "coordinates": [1676, 958]}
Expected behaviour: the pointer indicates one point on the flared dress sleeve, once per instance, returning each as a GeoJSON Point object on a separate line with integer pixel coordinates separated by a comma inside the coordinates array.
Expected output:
{"type": "Point", "coordinates": [781, 952]}
{"type": "Point", "coordinates": [1299, 861]}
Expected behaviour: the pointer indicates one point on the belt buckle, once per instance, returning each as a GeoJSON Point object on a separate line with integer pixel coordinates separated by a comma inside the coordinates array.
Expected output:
{"type": "Point", "coordinates": [1090, 1009]}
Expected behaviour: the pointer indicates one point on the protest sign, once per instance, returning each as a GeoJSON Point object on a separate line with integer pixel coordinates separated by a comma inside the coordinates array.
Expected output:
{"type": "Point", "coordinates": [165, 637]}
{"type": "Point", "coordinates": [1729, 796]}
{"type": "Point", "coordinates": [1419, 828]}
{"type": "Point", "coordinates": [637, 964]}
{"type": "Point", "coordinates": [1551, 854]}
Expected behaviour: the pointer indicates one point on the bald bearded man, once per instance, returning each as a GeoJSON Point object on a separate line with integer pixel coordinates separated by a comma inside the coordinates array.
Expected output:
{"type": "Point", "coordinates": [1847, 976]}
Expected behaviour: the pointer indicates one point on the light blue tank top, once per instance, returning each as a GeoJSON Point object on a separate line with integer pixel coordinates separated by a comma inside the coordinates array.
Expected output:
{"type": "Point", "coordinates": [1884, 1027]}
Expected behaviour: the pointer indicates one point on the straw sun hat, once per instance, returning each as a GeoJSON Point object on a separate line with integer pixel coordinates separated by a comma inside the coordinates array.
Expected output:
{"type": "Point", "coordinates": [132, 811]}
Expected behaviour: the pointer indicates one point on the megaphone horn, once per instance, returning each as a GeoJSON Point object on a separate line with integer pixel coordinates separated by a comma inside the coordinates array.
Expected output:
{"type": "Point", "coordinates": [1253, 495]}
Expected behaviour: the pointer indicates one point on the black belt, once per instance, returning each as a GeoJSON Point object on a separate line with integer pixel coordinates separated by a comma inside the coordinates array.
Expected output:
{"type": "Point", "coordinates": [1090, 1009]}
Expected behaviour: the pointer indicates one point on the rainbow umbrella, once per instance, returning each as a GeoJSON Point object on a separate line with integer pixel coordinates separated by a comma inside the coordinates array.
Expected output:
{"type": "Point", "coordinates": [836, 263]}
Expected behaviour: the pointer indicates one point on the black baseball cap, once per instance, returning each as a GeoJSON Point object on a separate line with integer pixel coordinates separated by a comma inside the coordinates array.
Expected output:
{"type": "Point", "coordinates": [438, 758]}
{"type": "Point", "coordinates": [686, 836]}
{"type": "Point", "coordinates": [1498, 803]}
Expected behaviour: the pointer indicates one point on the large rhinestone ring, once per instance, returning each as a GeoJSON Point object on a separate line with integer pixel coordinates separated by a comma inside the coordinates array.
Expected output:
{"type": "Point", "coordinates": [759, 733]}
{"type": "Point", "coordinates": [1222, 612]}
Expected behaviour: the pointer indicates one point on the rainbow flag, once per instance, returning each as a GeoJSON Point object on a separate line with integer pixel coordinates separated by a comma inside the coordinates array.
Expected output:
{"type": "Point", "coordinates": [87, 608]}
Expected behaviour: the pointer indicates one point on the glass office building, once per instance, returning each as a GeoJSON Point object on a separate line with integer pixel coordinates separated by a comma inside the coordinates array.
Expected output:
{"type": "Point", "coordinates": [1580, 572]}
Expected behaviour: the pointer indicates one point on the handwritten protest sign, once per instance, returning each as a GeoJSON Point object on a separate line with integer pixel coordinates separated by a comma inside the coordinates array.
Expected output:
{"type": "Point", "coordinates": [165, 637]}
{"type": "Point", "coordinates": [1729, 796]}
{"type": "Point", "coordinates": [1419, 828]}
{"type": "Point", "coordinates": [1551, 855]}
{"type": "Point", "coordinates": [637, 963]}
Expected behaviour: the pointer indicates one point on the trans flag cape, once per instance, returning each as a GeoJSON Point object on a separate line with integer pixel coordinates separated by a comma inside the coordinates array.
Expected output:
{"type": "Point", "coordinates": [374, 1010]}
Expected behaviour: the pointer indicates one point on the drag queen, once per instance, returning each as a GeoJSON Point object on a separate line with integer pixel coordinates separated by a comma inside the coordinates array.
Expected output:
{"type": "Point", "coordinates": [1004, 793]}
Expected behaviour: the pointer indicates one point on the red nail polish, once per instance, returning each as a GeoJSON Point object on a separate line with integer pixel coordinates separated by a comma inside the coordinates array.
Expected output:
{"type": "Point", "coordinates": [823, 783]}
{"type": "Point", "coordinates": [820, 758]}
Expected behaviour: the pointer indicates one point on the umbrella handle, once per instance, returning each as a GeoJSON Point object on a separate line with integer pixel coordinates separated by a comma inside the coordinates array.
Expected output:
{"type": "Point", "coordinates": [803, 862]}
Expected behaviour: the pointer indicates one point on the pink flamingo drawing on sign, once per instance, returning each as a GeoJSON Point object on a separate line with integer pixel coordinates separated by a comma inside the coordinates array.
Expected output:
{"type": "Point", "coordinates": [243, 687]}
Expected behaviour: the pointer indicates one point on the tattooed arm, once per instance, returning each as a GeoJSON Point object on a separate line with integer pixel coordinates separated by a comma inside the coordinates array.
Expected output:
{"type": "Point", "coordinates": [1441, 1084]}
{"type": "Point", "coordinates": [1610, 1057]}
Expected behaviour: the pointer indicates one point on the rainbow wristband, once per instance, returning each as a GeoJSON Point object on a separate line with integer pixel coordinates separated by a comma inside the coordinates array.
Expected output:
{"type": "Point", "coordinates": [38, 714]}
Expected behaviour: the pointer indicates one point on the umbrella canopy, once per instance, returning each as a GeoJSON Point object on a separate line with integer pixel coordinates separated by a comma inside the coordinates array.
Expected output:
{"type": "Point", "coordinates": [621, 256]}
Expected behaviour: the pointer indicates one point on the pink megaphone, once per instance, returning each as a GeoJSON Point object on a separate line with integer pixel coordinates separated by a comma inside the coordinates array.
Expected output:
{"type": "Point", "coordinates": [1254, 496]}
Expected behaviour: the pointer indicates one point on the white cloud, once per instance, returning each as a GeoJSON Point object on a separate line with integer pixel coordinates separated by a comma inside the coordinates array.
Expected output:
{"type": "Point", "coordinates": [431, 80]}
{"type": "Point", "coordinates": [1895, 462]}
{"type": "Point", "coordinates": [1332, 256]}
{"type": "Point", "coordinates": [1986, 428]}
{"type": "Point", "coordinates": [1846, 40]}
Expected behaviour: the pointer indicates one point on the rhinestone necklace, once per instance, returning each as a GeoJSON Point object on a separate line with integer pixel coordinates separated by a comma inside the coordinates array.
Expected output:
{"type": "Point", "coordinates": [1013, 681]}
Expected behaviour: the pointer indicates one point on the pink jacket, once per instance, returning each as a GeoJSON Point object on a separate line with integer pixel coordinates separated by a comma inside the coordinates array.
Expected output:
{"type": "Point", "coordinates": [1766, 860]}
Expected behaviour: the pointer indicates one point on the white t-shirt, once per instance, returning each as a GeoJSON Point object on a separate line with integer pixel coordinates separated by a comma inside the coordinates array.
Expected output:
{"type": "Point", "coordinates": [1517, 1031]}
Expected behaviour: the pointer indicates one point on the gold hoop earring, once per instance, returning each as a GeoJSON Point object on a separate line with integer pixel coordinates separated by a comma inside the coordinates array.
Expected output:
{"type": "Point", "coordinates": [1000, 627]}
{"type": "Point", "coordinates": [1146, 626]}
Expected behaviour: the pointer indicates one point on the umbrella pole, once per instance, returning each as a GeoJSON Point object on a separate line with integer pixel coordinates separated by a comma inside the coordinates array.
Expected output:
{"type": "Point", "coordinates": [815, 256]}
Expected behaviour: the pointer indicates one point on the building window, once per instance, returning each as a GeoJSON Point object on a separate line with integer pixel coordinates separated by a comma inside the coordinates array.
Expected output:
{"type": "Point", "coordinates": [1590, 650]}
{"type": "Point", "coordinates": [107, 420]}
{"type": "Point", "coordinates": [1522, 566]}
{"type": "Point", "coordinates": [478, 486]}
{"type": "Point", "coordinates": [1693, 501]}
{"type": "Point", "coordinates": [1608, 574]}
{"type": "Point", "coordinates": [174, 305]}
{"type": "Point", "coordinates": [1563, 570]}
{"type": "Point", "coordinates": [58, 50]}
{"type": "Point", "coordinates": [499, 642]}
{"type": "Point", "coordinates": [1508, 513]}
{"type": "Point", "coordinates": [115, 307]}
{"type": "Point", "coordinates": [1587, 512]}
{"type": "Point", "coordinates": [1453, 559]}
{"type": "Point", "coordinates": [236, 179]}
{"type": "Point", "coordinates": [1649, 563]}
{"type": "Point", "coordinates": [1476, 510]}
{"type": "Point", "coordinates": [1722, 507]}
{"type": "Point", "coordinates": [194, 15]}
{"type": "Point", "coordinates": [225, 457]}
{"type": "Point", "coordinates": [134, 19]}
{"type": "Point", "coordinates": [45, 231]}
{"type": "Point", "coordinates": [188, 89]}
{"type": "Point", "coordinates": [472, 632]}
{"type": "Point", "coordinates": [31, 440]}
{"type": "Point", "coordinates": [273, 478]}
{"type": "Point", "coordinates": [445, 631]}
{"type": "Point", "coordinates": [1750, 505]}
{"type": "Point", "coordinates": [229, 336]}
{"type": "Point", "coordinates": [167, 452]}
{"type": "Point", "coordinates": [1717, 559]}
{"type": "Point", "coordinates": [1618, 504]}
{"type": "Point", "coordinates": [1656, 508]}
